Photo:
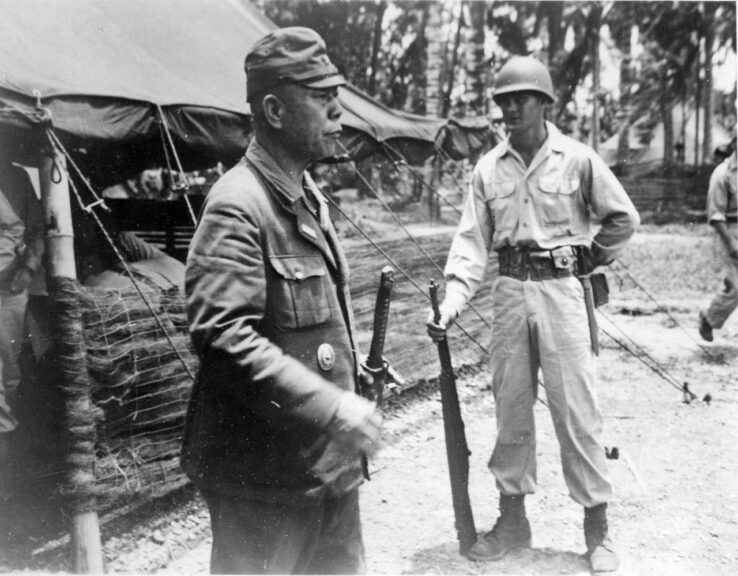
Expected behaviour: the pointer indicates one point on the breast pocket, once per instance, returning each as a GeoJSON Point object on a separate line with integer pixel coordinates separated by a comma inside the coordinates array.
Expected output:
{"type": "Point", "coordinates": [502, 206]}
{"type": "Point", "coordinates": [556, 201]}
{"type": "Point", "coordinates": [300, 295]}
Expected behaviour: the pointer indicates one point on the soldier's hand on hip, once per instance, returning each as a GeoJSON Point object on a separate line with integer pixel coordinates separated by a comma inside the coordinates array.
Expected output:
{"type": "Point", "coordinates": [357, 424]}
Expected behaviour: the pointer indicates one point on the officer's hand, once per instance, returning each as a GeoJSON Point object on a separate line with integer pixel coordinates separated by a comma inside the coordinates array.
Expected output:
{"type": "Point", "coordinates": [20, 280]}
{"type": "Point", "coordinates": [437, 331]}
{"type": "Point", "coordinates": [357, 424]}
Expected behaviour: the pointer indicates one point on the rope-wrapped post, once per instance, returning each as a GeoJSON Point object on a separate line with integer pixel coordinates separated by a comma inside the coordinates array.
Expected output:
{"type": "Point", "coordinates": [70, 358]}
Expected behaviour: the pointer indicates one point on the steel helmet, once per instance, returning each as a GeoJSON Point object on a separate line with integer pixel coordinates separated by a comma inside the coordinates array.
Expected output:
{"type": "Point", "coordinates": [524, 73]}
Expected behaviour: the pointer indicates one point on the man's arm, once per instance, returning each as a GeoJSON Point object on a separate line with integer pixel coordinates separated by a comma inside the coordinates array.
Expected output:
{"type": "Point", "coordinates": [226, 289]}
{"type": "Point", "coordinates": [612, 207]}
{"type": "Point", "coordinates": [467, 259]}
{"type": "Point", "coordinates": [718, 195]}
{"type": "Point", "coordinates": [469, 253]}
{"type": "Point", "coordinates": [731, 246]}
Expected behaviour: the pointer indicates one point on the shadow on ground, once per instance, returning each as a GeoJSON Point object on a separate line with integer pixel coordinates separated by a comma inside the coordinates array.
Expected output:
{"type": "Point", "coordinates": [445, 559]}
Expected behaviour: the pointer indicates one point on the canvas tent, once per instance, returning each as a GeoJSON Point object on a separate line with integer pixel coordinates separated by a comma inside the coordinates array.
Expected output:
{"type": "Point", "coordinates": [116, 79]}
{"type": "Point", "coordinates": [114, 73]}
{"type": "Point", "coordinates": [647, 149]}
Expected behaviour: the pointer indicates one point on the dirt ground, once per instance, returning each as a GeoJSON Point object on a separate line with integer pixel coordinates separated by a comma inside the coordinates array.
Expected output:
{"type": "Point", "coordinates": [675, 510]}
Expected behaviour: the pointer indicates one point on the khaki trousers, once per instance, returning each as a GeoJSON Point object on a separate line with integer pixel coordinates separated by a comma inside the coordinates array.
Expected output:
{"type": "Point", "coordinates": [726, 300]}
{"type": "Point", "coordinates": [543, 325]}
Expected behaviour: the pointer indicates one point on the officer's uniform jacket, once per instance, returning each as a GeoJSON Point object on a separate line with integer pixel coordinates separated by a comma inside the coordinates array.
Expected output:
{"type": "Point", "coordinates": [270, 317]}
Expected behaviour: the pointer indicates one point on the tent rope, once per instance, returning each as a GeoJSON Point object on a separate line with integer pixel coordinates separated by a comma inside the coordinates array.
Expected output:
{"type": "Point", "coordinates": [56, 143]}
{"type": "Point", "coordinates": [662, 308]}
{"type": "Point", "coordinates": [60, 150]}
{"type": "Point", "coordinates": [446, 159]}
{"type": "Point", "coordinates": [641, 354]}
{"type": "Point", "coordinates": [183, 185]}
{"type": "Point", "coordinates": [398, 160]}
{"type": "Point", "coordinates": [392, 261]}
{"type": "Point", "coordinates": [414, 240]}
{"type": "Point", "coordinates": [164, 146]}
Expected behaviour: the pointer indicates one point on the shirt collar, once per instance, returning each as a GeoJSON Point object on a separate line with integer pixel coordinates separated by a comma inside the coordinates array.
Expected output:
{"type": "Point", "coordinates": [554, 141]}
{"type": "Point", "coordinates": [273, 172]}
{"type": "Point", "coordinates": [732, 161]}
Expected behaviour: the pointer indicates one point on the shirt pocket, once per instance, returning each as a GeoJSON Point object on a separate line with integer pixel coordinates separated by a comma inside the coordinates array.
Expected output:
{"type": "Point", "coordinates": [556, 201]}
{"type": "Point", "coordinates": [502, 204]}
{"type": "Point", "coordinates": [300, 295]}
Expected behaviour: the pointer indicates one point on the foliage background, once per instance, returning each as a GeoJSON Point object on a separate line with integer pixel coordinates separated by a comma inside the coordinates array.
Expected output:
{"type": "Point", "coordinates": [623, 61]}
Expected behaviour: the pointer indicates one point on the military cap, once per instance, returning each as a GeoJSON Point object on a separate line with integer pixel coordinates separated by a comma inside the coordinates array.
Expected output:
{"type": "Point", "coordinates": [292, 55]}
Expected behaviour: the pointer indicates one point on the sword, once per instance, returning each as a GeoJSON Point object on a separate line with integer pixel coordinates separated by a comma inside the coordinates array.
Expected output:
{"type": "Point", "coordinates": [375, 364]}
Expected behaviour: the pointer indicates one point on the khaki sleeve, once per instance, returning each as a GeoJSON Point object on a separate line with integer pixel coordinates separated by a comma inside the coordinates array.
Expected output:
{"type": "Point", "coordinates": [469, 253]}
{"type": "Point", "coordinates": [718, 195]}
{"type": "Point", "coordinates": [613, 208]}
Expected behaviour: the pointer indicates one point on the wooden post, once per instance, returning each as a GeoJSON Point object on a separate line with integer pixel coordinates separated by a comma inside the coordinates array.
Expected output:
{"type": "Point", "coordinates": [58, 218]}
{"type": "Point", "coordinates": [86, 547]}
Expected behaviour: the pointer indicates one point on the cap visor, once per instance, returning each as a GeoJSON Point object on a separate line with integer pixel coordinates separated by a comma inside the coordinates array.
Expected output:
{"type": "Point", "coordinates": [329, 82]}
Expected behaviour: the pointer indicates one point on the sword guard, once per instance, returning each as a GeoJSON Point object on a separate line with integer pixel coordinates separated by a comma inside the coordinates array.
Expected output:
{"type": "Point", "coordinates": [375, 371]}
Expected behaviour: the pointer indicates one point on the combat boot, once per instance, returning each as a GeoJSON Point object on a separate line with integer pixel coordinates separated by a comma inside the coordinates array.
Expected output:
{"type": "Point", "coordinates": [511, 531]}
{"type": "Point", "coordinates": [600, 550]}
{"type": "Point", "coordinates": [705, 329]}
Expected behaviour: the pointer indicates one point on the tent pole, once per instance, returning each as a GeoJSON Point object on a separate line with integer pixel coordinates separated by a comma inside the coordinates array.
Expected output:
{"type": "Point", "coordinates": [58, 218]}
{"type": "Point", "coordinates": [69, 351]}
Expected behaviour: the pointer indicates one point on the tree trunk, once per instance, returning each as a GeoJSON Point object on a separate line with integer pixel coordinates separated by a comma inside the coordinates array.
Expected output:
{"type": "Point", "coordinates": [697, 101]}
{"type": "Point", "coordinates": [451, 71]}
{"type": "Point", "coordinates": [626, 80]}
{"type": "Point", "coordinates": [474, 48]}
{"type": "Point", "coordinates": [434, 49]}
{"type": "Point", "coordinates": [597, 21]}
{"type": "Point", "coordinates": [554, 13]}
{"type": "Point", "coordinates": [666, 115]}
{"type": "Point", "coordinates": [376, 46]}
{"type": "Point", "coordinates": [420, 92]}
{"type": "Point", "coordinates": [707, 84]}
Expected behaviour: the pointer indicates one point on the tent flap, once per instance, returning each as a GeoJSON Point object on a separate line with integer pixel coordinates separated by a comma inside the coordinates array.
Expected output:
{"type": "Point", "coordinates": [105, 69]}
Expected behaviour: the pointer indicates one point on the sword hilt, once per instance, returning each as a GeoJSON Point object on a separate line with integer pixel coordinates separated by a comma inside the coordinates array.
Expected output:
{"type": "Point", "coordinates": [374, 360]}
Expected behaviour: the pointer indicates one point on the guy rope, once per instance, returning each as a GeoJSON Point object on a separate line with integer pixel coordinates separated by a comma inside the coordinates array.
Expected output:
{"type": "Point", "coordinates": [397, 159]}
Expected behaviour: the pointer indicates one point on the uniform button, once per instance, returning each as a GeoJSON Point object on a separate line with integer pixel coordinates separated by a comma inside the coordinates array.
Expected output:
{"type": "Point", "coordinates": [299, 275]}
{"type": "Point", "coordinates": [525, 225]}
{"type": "Point", "coordinates": [526, 200]}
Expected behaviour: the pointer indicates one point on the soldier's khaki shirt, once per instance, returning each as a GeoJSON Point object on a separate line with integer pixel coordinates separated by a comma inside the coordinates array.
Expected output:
{"type": "Point", "coordinates": [566, 197]}
{"type": "Point", "coordinates": [721, 195]}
